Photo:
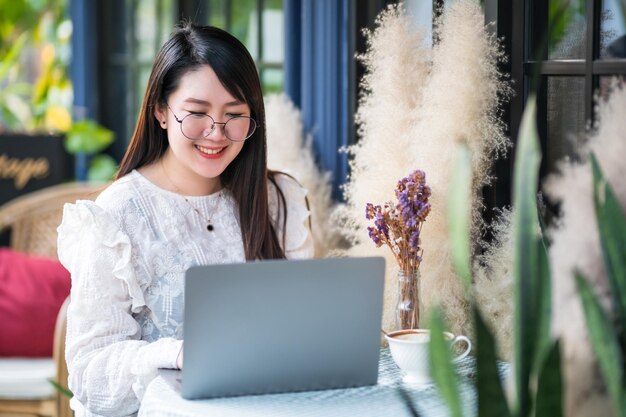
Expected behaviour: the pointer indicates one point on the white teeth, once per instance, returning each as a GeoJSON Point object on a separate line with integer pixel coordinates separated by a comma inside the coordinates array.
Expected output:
{"type": "Point", "coordinates": [209, 151]}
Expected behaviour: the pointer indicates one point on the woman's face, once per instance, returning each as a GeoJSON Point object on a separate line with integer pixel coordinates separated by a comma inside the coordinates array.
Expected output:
{"type": "Point", "coordinates": [200, 92]}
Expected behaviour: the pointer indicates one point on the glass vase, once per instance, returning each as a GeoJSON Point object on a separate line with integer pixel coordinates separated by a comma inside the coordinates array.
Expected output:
{"type": "Point", "coordinates": [408, 307]}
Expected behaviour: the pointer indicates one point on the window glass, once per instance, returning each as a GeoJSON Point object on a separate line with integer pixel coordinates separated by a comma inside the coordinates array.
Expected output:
{"type": "Point", "coordinates": [243, 22]}
{"type": "Point", "coordinates": [272, 80]}
{"type": "Point", "coordinates": [153, 21]}
{"type": "Point", "coordinates": [421, 13]}
{"type": "Point", "coordinates": [608, 83]}
{"type": "Point", "coordinates": [264, 37]}
{"type": "Point", "coordinates": [613, 29]}
{"type": "Point", "coordinates": [568, 41]}
{"type": "Point", "coordinates": [218, 13]}
{"type": "Point", "coordinates": [143, 76]}
{"type": "Point", "coordinates": [272, 37]}
{"type": "Point", "coordinates": [145, 34]}
{"type": "Point", "coordinates": [167, 19]}
{"type": "Point", "coordinates": [565, 117]}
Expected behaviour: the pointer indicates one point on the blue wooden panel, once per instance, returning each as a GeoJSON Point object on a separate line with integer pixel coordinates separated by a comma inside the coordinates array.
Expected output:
{"type": "Point", "coordinates": [293, 42]}
{"type": "Point", "coordinates": [84, 70]}
{"type": "Point", "coordinates": [84, 64]}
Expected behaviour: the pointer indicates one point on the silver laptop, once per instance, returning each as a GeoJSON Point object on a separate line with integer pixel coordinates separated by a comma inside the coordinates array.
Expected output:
{"type": "Point", "coordinates": [281, 326]}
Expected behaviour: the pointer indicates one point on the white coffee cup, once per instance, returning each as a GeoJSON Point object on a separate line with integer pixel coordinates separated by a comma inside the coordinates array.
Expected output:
{"type": "Point", "coordinates": [409, 349]}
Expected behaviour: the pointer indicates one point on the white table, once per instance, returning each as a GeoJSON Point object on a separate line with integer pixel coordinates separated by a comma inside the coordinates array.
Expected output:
{"type": "Point", "coordinates": [382, 399]}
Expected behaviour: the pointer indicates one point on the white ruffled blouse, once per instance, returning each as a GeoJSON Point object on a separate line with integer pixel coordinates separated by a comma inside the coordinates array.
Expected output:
{"type": "Point", "coordinates": [127, 253]}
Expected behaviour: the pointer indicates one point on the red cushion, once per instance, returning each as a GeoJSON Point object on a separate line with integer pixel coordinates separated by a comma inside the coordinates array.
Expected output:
{"type": "Point", "coordinates": [32, 290]}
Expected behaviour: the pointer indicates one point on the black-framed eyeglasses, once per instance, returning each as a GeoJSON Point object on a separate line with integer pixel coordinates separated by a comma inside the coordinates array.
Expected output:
{"type": "Point", "coordinates": [196, 126]}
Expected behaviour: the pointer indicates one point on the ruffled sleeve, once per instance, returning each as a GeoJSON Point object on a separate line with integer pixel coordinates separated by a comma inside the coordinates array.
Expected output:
{"type": "Point", "coordinates": [109, 366]}
{"type": "Point", "coordinates": [298, 239]}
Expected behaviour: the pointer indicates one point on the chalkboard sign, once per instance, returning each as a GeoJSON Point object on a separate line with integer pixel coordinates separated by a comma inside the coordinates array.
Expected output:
{"type": "Point", "coordinates": [29, 163]}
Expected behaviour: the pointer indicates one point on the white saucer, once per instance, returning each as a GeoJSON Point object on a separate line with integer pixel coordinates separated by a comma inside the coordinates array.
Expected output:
{"type": "Point", "coordinates": [416, 380]}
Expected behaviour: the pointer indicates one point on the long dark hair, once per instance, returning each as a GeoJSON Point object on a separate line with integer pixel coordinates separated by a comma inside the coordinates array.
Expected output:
{"type": "Point", "coordinates": [189, 47]}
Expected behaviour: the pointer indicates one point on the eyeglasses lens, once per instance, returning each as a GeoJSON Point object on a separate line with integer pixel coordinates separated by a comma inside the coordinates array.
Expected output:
{"type": "Point", "coordinates": [198, 126]}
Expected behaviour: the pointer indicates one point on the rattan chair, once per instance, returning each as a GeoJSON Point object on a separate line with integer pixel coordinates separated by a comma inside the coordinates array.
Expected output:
{"type": "Point", "coordinates": [33, 219]}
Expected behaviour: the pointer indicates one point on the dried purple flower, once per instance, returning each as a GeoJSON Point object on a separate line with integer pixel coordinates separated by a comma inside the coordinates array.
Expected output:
{"type": "Point", "coordinates": [399, 225]}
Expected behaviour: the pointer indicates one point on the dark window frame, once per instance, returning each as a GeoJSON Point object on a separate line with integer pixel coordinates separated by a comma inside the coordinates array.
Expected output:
{"type": "Point", "coordinates": [512, 24]}
{"type": "Point", "coordinates": [119, 65]}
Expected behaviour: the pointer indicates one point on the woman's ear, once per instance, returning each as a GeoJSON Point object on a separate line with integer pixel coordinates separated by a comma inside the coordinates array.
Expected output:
{"type": "Point", "coordinates": [160, 113]}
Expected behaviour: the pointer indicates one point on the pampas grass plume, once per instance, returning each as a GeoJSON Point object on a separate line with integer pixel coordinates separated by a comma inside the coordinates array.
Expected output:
{"type": "Point", "coordinates": [397, 64]}
{"type": "Point", "coordinates": [493, 282]}
{"type": "Point", "coordinates": [576, 246]}
{"type": "Point", "coordinates": [289, 151]}
{"type": "Point", "coordinates": [460, 103]}
{"type": "Point", "coordinates": [417, 105]}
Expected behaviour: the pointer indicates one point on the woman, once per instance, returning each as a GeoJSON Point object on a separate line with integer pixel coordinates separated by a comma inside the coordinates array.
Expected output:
{"type": "Point", "coordinates": [192, 189]}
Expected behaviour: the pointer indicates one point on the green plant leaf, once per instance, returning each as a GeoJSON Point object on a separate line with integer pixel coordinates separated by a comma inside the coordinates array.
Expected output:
{"type": "Point", "coordinates": [102, 168]}
{"type": "Point", "coordinates": [8, 121]}
{"type": "Point", "coordinates": [441, 368]}
{"type": "Point", "coordinates": [604, 342]}
{"type": "Point", "coordinates": [525, 256]}
{"type": "Point", "coordinates": [88, 137]}
{"type": "Point", "coordinates": [612, 229]}
{"type": "Point", "coordinates": [61, 389]}
{"type": "Point", "coordinates": [19, 88]}
{"type": "Point", "coordinates": [17, 13]}
{"type": "Point", "coordinates": [560, 13]}
{"type": "Point", "coordinates": [491, 399]}
{"type": "Point", "coordinates": [544, 305]}
{"type": "Point", "coordinates": [15, 111]}
{"type": "Point", "coordinates": [459, 216]}
{"type": "Point", "coordinates": [12, 55]}
{"type": "Point", "coordinates": [549, 401]}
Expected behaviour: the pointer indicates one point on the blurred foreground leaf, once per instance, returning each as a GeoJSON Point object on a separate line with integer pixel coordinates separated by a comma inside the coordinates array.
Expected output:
{"type": "Point", "coordinates": [549, 402]}
{"type": "Point", "coordinates": [441, 367]}
{"type": "Point", "coordinates": [605, 344]}
{"type": "Point", "coordinates": [526, 265]}
{"type": "Point", "coordinates": [459, 216]}
{"type": "Point", "coordinates": [612, 228]}
{"type": "Point", "coordinates": [491, 399]}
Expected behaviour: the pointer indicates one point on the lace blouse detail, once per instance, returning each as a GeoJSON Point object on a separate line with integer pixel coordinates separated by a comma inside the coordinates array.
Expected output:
{"type": "Point", "coordinates": [127, 253]}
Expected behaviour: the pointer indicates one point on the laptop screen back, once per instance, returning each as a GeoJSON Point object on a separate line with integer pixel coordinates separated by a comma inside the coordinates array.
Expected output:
{"type": "Point", "coordinates": [282, 326]}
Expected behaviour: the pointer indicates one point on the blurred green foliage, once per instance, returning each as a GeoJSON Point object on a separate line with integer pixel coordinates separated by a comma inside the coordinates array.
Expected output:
{"type": "Point", "coordinates": [86, 139]}
{"type": "Point", "coordinates": [608, 335]}
{"type": "Point", "coordinates": [536, 357]}
{"type": "Point", "coordinates": [537, 376]}
{"type": "Point", "coordinates": [35, 91]}
{"type": "Point", "coordinates": [86, 136]}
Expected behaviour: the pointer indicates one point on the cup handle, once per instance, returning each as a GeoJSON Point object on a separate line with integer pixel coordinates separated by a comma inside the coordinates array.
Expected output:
{"type": "Point", "coordinates": [467, 351]}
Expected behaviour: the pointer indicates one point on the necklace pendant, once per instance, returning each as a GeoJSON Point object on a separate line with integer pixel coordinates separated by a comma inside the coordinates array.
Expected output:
{"type": "Point", "coordinates": [209, 227]}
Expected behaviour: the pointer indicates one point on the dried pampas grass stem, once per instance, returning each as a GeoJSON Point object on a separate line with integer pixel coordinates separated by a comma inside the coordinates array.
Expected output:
{"type": "Point", "coordinates": [417, 105]}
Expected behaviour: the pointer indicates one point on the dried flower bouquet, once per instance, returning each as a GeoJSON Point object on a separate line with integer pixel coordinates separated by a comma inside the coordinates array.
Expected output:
{"type": "Point", "coordinates": [399, 226]}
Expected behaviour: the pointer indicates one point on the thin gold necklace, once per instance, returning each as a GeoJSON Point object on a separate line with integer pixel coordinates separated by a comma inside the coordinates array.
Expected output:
{"type": "Point", "coordinates": [209, 223]}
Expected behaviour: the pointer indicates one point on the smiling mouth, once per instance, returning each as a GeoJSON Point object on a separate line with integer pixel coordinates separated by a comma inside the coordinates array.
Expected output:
{"type": "Point", "coordinates": [209, 151]}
